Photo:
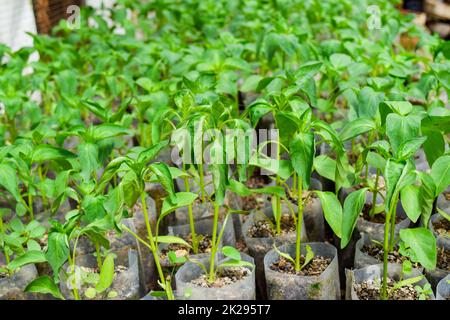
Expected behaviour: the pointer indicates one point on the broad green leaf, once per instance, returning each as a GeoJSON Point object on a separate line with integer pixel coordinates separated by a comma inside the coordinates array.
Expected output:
{"type": "Point", "coordinates": [88, 155]}
{"type": "Point", "coordinates": [182, 199]}
{"type": "Point", "coordinates": [411, 203]}
{"type": "Point", "coordinates": [356, 127]}
{"type": "Point", "coordinates": [340, 60]}
{"type": "Point", "coordinates": [9, 181]}
{"type": "Point", "coordinates": [172, 239]}
{"type": "Point", "coordinates": [423, 244]}
{"type": "Point", "coordinates": [400, 129]}
{"type": "Point", "coordinates": [308, 257]}
{"type": "Point", "coordinates": [44, 285]}
{"type": "Point", "coordinates": [105, 131]}
{"type": "Point", "coordinates": [408, 148]}
{"type": "Point", "coordinates": [162, 172]}
{"type": "Point", "coordinates": [353, 206]}
{"type": "Point", "coordinates": [46, 152]}
{"type": "Point", "coordinates": [325, 166]}
{"type": "Point", "coordinates": [427, 193]}
{"type": "Point", "coordinates": [57, 251]}
{"type": "Point", "coordinates": [106, 273]}
{"type": "Point", "coordinates": [440, 172]}
{"type": "Point", "coordinates": [332, 210]}
{"type": "Point", "coordinates": [231, 253]}
{"type": "Point", "coordinates": [376, 161]}
{"type": "Point", "coordinates": [28, 257]}
{"type": "Point", "coordinates": [302, 154]}
{"type": "Point", "coordinates": [152, 152]}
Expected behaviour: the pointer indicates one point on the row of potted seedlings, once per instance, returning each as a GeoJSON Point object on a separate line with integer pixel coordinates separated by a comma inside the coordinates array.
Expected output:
{"type": "Point", "coordinates": [106, 240]}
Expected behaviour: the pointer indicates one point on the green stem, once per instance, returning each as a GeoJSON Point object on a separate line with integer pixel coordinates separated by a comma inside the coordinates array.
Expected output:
{"type": "Point", "coordinates": [98, 256]}
{"type": "Point", "coordinates": [299, 224]}
{"type": "Point", "coordinates": [191, 217]}
{"type": "Point", "coordinates": [384, 294]}
{"type": "Point", "coordinates": [153, 246]}
{"type": "Point", "coordinates": [30, 205]}
{"type": "Point", "coordinates": [2, 231]}
{"type": "Point", "coordinates": [202, 182]}
{"type": "Point", "coordinates": [277, 214]}
{"type": "Point", "coordinates": [393, 222]}
{"type": "Point", "coordinates": [375, 193]}
{"type": "Point", "coordinates": [212, 273]}
{"type": "Point", "coordinates": [41, 178]}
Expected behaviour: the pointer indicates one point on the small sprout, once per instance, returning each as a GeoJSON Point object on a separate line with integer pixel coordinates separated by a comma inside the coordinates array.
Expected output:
{"type": "Point", "coordinates": [90, 293]}
{"type": "Point", "coordinates": [112, 294]}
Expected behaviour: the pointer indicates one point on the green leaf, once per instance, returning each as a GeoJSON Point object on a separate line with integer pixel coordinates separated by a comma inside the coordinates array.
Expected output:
{"type": "Point", "coordinates": [332, 210]}
{"type": "Point", "coordinates": [284, 255]}
{"type": "Point", "coordinates": [172, 239]}
{"type": "Point", "coordinates": [376, 161]}
{"type": "Point", "coordinates": [440, 172]}
{"type": "Point", "coordinates": [182, 199]}
{"type": "Point", "coordinates": [309, 256]}
{"type": "Point", "coordinates": [44, 285]}
{"type": "Point", "coordinates": [106, 131]}
{"type": "Point", "coordinates": [302, 154]}
{"type": "Point", "coordinates": [152, 152]}
{"type": "Point", "coordinates": [106, 274]}
{"type": "Point", "coordinates": [411, 203]}
{"type": "Point", "coordinates": [46, 152]}
{"type": "Point", "coordinates": [88, 155]}
{"type": "Point", "coordinates": [28, 257]}
{"type": "Point", "coordinates": [90, 293]}
{"type": "Point", "coordinates": [340, 60]}
{"type": "Point", "coordinates": [356, 127]}
{"type": "Point", "coordinates": [57, 251]}
{"type": "Point", "coordinates": [408, 148]}
{"type": "Point", "coordinates": [309, 69]}
{"type": "Point", "coordinates": [8, 180]}
{"type": "Point", "coordinates": [427, 192]}
{"type": "Point", "coordinates": [231, 253]}
{"type": "Point", "coordinates": [325, 166]}
{"type": "Point", "coordinates": [423, 245]}
{"type": "Point", "coordinates": [162, 172]}
{"type": "Point", "coordinates": [236, 263]}
{"type": "Point", "coordinates": [400, 129]}
{"type": "Point", "coordinates": [353, 206]}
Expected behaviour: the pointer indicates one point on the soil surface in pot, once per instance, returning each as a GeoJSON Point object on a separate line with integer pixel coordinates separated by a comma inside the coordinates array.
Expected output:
{"type": "Point", "coordinates": [204, 246]}
{"type": "Point", "coordinates": [225, 277]}
{"type": "Point", "coordinates": [255, 201]}
{"type": "Point", "coordinates": [377, 252]}
{"type": "Point", "coordinates": [307, 197]}
{"type": "Point", "coordinates": [370, 290]}
{"type": "Point", "coordinates": [443, 259]}
{"type": "Point", "coordinates": [314, 268]}
{"type": "Point", "coordinates": [442, 227]}
{"type": "Point", "coordinates": [265, 229]}
{"type": "Point", "coordinates": [242, 246]}
{"type": "Point", "coordinates": [377, 218]}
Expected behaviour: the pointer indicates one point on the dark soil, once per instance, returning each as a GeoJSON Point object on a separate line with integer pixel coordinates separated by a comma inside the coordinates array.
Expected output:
{"type": "Point", "coordinates": [377, 218]}
{"type": "Point", "coordinates": [225, 277]}
{"type": "Point", "coordinates": [263, 229]}
{"type": "Point", "coordinates": [370, 290]}
{"type": "Point", "coordinates": [307, 198]}
{"type": "Point", "coordinates": [314, 268]}
{"type": "Point", "coordinates": [443, 259]}
{"type": "Point", "coordinates": [204, 246]}
{"type": "Point", "coordinates": [241, 246]}
{"type": "Point", "coordinates": [442, 227]}
{"type": "Point", "coordinates": [377, 252]}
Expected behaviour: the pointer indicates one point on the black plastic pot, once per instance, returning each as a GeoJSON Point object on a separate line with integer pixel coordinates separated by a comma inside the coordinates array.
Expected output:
{"type": "Point", "coordinates": [443, 289]}
{"type": "Point", "coordinates": [126, 283]}
{"type": "Point", "coordinates": [376, 272]}
{"type": "Point", "coordinates": [243, 289]}
{"type": "Point", "coordinates": [283, 286]}
{"type": "Point", "coordinates": [436, 275]}
{"type": "Point", "coordinates": [442, 239]}
{"type": "Point", "coordinates": [258, 247]}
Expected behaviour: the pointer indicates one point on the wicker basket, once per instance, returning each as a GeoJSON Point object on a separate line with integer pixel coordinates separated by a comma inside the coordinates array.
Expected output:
{"type": "Point", "coordinates": [49, 12]}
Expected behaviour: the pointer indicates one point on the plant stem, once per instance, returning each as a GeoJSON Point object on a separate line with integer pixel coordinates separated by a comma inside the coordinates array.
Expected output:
{"type": "Point", "coordinates": [153, 246]}
{"type": "Point", "coordinates": [202, 182]}
{"type": "Point", "coordinates": [41, 178]}
{"type": "Point", "coordinates": [191, 217]}
{"type": "Point", "coordinates": [386, 250]}
{"type": "Point", "coordinates": [212, 274]}
{"type": "Point", "coordinates": [393, 222]}
{"type": "Point", "coordinates": [99, 258]}
{"type": "Point", "coordinates": [2, 231]}
{"type": "Point", "coordinates": [299, 224]}
{"type": "Point", "coordinates": [375, 193]}
{"type": "Point", "coordinates": [277, 214]}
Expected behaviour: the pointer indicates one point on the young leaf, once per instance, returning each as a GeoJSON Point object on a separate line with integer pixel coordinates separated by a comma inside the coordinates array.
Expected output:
{"type": "Point", "coordinates": [302, 154]}
{"type": "Point", "coordinates": [172, 239]}
{"type": "Point", "coordinates": [57, 251]}
{"type": "Point", "coordinates": [353, 206]}
{"type": "Point", "coordinates": [422, 243]}
{"type": "Point", "coordinates": [182, 199]}
{"type": "Point", "coordinates": [44, 285]}
{"type": "Point", "coordinates": [8, 180]}
{"type": "Point", "coordinates": [356, 127]}
{"type": "Point", "coordinates": [28, 257]}
{"type": "Point", "coordinates": [309, 256]}
{"type": "Point", "coordinates": [332, 211]}
{"type": "Point", "coordinates": [440, 172]}
{"type": "Point", "coordinates": [411, 203]}
{"type": "Point", "coordinates": [231, 253]}
{"type": "Point", "coordinates": [106, 274]}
